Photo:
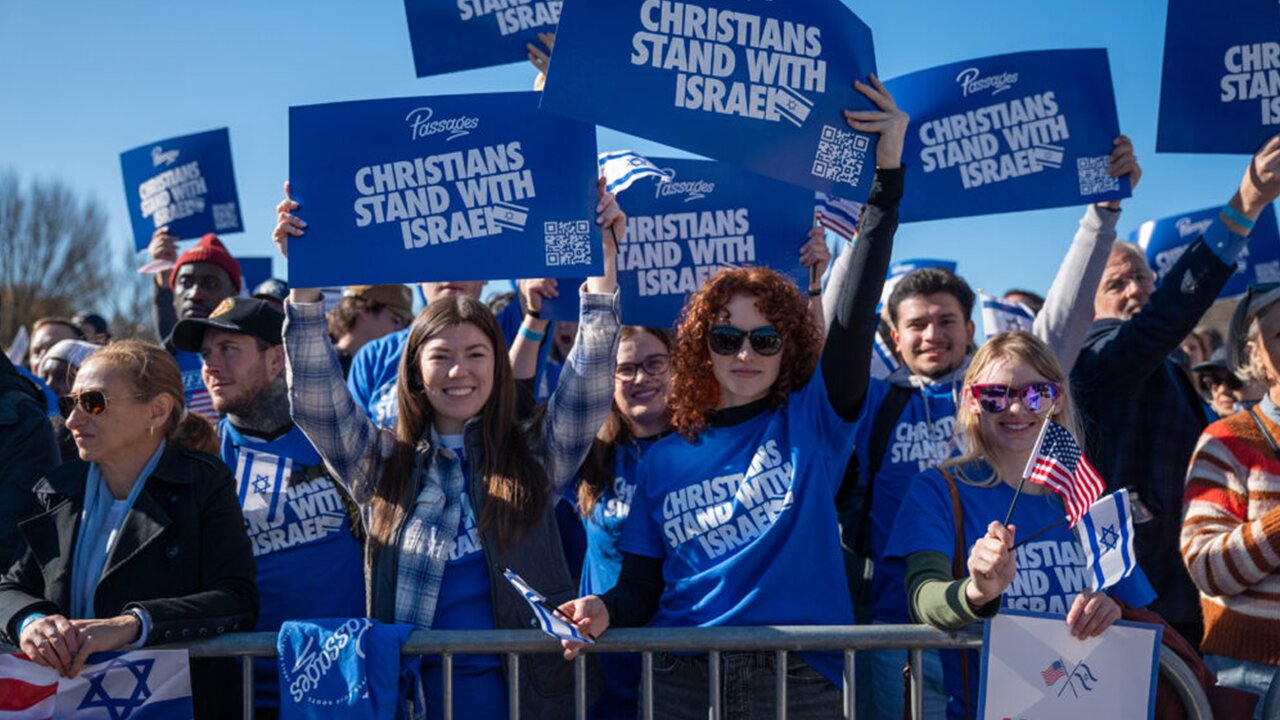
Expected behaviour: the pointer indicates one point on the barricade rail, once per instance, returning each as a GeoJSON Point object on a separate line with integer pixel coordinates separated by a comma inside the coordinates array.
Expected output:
{"type": "Point", "coordinates": [713, 641]}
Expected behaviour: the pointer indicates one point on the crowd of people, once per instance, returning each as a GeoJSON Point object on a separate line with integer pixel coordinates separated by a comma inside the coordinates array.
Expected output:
{"type": "Point", "coordinates": [273, 460]}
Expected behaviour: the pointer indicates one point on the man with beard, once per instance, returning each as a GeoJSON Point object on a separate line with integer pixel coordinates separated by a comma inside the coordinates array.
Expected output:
{"type": "Point", "coordinates": [1142, 413]}
{"type": "Point", "coordinates": [309, 559]}
{"type": "Point", "coordinates": [202, 277]}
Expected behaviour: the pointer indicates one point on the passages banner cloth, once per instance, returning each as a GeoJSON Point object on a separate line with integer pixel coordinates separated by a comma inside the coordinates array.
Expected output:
{"type": "Point", "coordinates": [760, 85]}
{"type": "Point", "coordinates": [141, 685]}
{"type": "Point", "coordinates": [449, 35]}
{"type": "Point", "coordinates": [454, 187]}
{"type": "Point", "coordinates": [1009, 132]}
{"type": "Point", "coordinates": [1033, 667]}
{"type": "Point", "coordinates": [1165, 240]}
{"type": "Point", "coordinates": [1220, 89]}
{"type": "Point", "coordinates": [186, 183]}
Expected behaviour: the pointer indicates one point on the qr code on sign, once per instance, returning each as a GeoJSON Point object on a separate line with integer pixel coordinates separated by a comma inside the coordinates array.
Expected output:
{"type": "Point", "coordinates": [225, 216]}
{"type": "Point", "coordinates": [1093, 175]}
{"type": "Point", "coordinates": [840, 155]}
{"type": "Point", "coordinates": [567, 243]}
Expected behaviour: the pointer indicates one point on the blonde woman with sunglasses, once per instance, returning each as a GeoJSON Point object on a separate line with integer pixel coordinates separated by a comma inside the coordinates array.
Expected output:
{"type": "Point", "coordinates": [959, 575]}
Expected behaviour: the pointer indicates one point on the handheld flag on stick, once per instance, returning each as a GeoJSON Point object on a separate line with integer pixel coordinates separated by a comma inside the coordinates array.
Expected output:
{"type": "Point", "coordinates": [1059, 464]}
{"type": "Point", "coordinates": [623, 167]}
{"type": "Point", "coordinates": [557, 627]}
{"type": "Point", "coordinates": [1000, 316]}
{"type": "Point", "coordinates": [1106, 534]}
{"type": "Point", "coordinates": [838, 215]}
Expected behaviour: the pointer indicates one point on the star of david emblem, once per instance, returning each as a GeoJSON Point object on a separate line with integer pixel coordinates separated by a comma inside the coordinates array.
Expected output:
{"type": "Point", "coordinates": [791, 104]}
{"type": "Point", "coordinates": [118, 708]}
{"type": "Point", "coordinates": [508, 214]}
{"type": "Point", "coordinates": [261, 484]}
{"type": "Point", "coordinates": [1109, 537]}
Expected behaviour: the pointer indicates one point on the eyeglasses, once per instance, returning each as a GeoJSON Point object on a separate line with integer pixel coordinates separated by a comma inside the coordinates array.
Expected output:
{"type": "Point", "coordinates": [1210, 380]}
{"type": "Point", "coordinates": [727, 340]}
{"type": "Point", "coordinates": [1036, 397]}
{"type": "Point", "coordinates": [653, 366]}
{"type": "Point", "coordinates": [93, 402]}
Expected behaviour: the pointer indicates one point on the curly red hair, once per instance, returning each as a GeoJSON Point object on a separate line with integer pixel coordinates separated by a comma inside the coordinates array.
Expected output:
{"type": "Point", "coordinates": [695, 393]}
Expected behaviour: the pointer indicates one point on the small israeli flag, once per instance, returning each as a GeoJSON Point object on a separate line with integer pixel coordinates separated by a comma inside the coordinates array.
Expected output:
{"type": "Point", "coordinates": [1106, 534]}
{"type": "Point", "coordinates": [1000, 316]}
{"type": "Point", "coordinates": [261, 477]}
{"type": "Point", "coordinates": [623, 167]}
{"type": "Point", "coordinates": [552, 624]}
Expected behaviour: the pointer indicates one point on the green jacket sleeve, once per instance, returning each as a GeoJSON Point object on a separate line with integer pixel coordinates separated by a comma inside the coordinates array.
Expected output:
{"type": "Point", "coordinates": [938, 599]}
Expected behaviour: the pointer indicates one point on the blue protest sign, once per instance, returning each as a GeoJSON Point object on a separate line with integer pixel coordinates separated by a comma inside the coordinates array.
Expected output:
{"type": "Point", "coordinates": [707, 216]}
{"type": "Point", "coordinates": [1009, 132]}
{"type": "Point", "coordinates": [761, 85]}
{"type": "Point", "coordinates": [253, 270]}
{"type": "Point", "coordinates": [454, 187]}
{"type": "Point", "coordinates": [450, 35]}
{"type": "Point", "coordinates": [186, 183]}
{"type": "Point", "coordinates": [1220, 88]}
{"type": "Point", "coordinates": [1165, 241]}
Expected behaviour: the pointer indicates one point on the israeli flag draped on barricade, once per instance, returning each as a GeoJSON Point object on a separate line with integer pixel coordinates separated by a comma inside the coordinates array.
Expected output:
{"type": "Point", "coordinates": [1010, 132]}
{"type": "Point", "coordinates": [1220, 88]}
{"type": "Point", "coordinates": [703, 217]}
{"type": "Point", "coordinates": [1166, 239]}
{"type": "Point", "coordinates": [150, 684]}
{"type": "Point", "coordinates": [1106, 534]}
{"type": "Point", "coordinates": [999, 316]}
{"type": "Point", "coordinates": [185, 182]}
{"type": "Point", "coordinates": [479, 187]}
{"type": "Point", "coordinates": [451, 35]}
{"type": "Point", "coordinates": [759, 85]}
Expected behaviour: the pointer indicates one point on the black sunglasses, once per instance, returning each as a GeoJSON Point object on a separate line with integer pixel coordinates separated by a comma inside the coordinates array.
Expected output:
{"type": "Point", "coordinates": [727, 340]}
{"type": "Point", "coordinates": [93, 402]}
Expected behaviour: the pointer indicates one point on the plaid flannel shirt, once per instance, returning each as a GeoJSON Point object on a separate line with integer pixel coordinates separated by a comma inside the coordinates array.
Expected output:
{"type": "Point", "coordinates": [346, 438]}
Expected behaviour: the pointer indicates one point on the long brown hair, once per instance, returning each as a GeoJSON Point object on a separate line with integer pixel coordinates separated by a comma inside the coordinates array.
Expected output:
{"type": "Point", "coordinates": [598, 468]}
{"type": "Point", "coordinates": [695, 393]}
{"type": "Point", "coordinates": [516, 488]}
{"type": "Point", "coordinates": [152, 371]}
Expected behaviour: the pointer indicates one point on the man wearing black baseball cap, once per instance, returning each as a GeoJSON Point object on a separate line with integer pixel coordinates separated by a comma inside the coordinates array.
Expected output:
{"type": "Point", "coordinates": [309, 558]}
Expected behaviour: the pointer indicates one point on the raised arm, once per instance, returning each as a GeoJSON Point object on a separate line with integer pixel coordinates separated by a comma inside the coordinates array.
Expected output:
{"type": "Point", "coordinates": [846, 355]}
{"type": "Point", "coordinates": [163, 247]}
{"type": "Point", "coordinates": [1068, 308]}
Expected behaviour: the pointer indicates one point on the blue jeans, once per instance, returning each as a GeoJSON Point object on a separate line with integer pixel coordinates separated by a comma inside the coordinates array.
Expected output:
{"type": "Point", "coordinates": [748, 688]}
{"type": "Point", "coordinates": [1242, 675]}
{"type": "Point", "coordinates": [881, 687]}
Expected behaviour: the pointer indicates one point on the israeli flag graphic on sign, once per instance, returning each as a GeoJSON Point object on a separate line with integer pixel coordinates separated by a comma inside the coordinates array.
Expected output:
{"type": "Point", "coordinates": [1106, 533]}
{"type": "Point", "coordinates": [260, 477]}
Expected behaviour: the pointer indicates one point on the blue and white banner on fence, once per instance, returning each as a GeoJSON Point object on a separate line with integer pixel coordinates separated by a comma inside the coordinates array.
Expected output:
{"type": "Point", "coordinates": [1033, 667]}
{"type": "Point", "coordinates": [454, 187]}
{"type": "Point", "coordinates": [1106, 534]}
{"type": "Point", "coordinates": [1220, 88]}
{"type": "Point", "coordinates": [451, 35]}
{"type": "Point", "coordinates": [899, 269]}
{"type": "Point", "coordinates": [761, 85]}
{"type": "Point", "coordinates": [704, 217]}
{"type": "Point", "coordinates": [186, 182]}
{"type": "Point", "coordinates": [1165, 241]}
{"type": "Point", "coordinates": [999, 316]}
{"type": "Point", "coordinates": [345, 668]}
{"type": "Point", "coordinates": [152, 684]}
{"type": "Point", "coordinates": [1009, 132]}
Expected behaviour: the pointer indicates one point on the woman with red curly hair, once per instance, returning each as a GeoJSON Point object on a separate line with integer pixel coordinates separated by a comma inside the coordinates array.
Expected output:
{"type": "Point", "coordinates": [733, 521]}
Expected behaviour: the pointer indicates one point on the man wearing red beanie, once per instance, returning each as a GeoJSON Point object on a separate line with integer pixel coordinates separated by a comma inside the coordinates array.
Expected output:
{"type": "Point", "coordinates": [202, 277]}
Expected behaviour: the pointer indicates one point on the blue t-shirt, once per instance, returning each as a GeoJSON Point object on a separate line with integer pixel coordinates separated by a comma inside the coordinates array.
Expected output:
{"type": "Point", "coordinates": [603, 560]}
{"type": "Point", "coordinates": [1051, 568]}
{"type": "Point", "coordinates": [466, 603]}
{"type": "Point", "coordinates": [744, 520]}
{"type": "Point", "coordinates": [197, 397]}
{"type": "Point", "coordinates": [921, 438]}
{"type": "Point", "coordinates": [372, 380]}
{"type": "Point", "coordinates": [309, 564]}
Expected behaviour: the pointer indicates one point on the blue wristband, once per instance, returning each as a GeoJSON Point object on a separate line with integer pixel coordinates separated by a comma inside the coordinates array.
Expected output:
{"type": "Point", "coordinates": [528, 334]}
{"type": "Point", "coordinates": [1237, 218]}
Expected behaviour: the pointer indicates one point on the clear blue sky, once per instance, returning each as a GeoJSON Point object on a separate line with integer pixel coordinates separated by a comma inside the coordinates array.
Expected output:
{"type": "Point", "coordinates": [83, 81]}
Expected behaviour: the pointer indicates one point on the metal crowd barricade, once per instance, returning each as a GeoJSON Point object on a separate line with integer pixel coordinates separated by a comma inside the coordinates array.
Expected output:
{"type": "Point", "coordinates": [713, 641]}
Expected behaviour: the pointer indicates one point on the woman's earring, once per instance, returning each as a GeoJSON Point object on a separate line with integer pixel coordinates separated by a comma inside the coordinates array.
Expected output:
{"type": "Point", "coordinates": [151, 430]}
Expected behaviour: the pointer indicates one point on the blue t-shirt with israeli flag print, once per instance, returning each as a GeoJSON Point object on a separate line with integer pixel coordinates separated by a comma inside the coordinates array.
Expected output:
{"type": "Point", "coordinates": [309, 564]}
{"type": "Point", "coordinates": [196, 395]}
{"type": "Point", "coordinates": [744, 520]}
{"type": "Point", "coordinates": [1051, 567]}
{"type": "Point", "coordinates": [466, 603]}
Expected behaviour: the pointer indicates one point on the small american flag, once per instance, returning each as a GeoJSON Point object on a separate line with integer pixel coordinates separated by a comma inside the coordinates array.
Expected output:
{"type": "Point", "coordinates": [838, 215]}
{"type": "Point", "coordinates": [1053, 673]}
{"type": "Point", "coordinates": [1061, 466]}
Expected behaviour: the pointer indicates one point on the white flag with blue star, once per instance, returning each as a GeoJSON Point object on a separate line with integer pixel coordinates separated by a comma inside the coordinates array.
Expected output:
{"type": "Point", "coordinates": [1106, 533]}
{"type": "Point", "coordinates": [150, 684]}
{"type": "Point", "coordinates": [261, 478]}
